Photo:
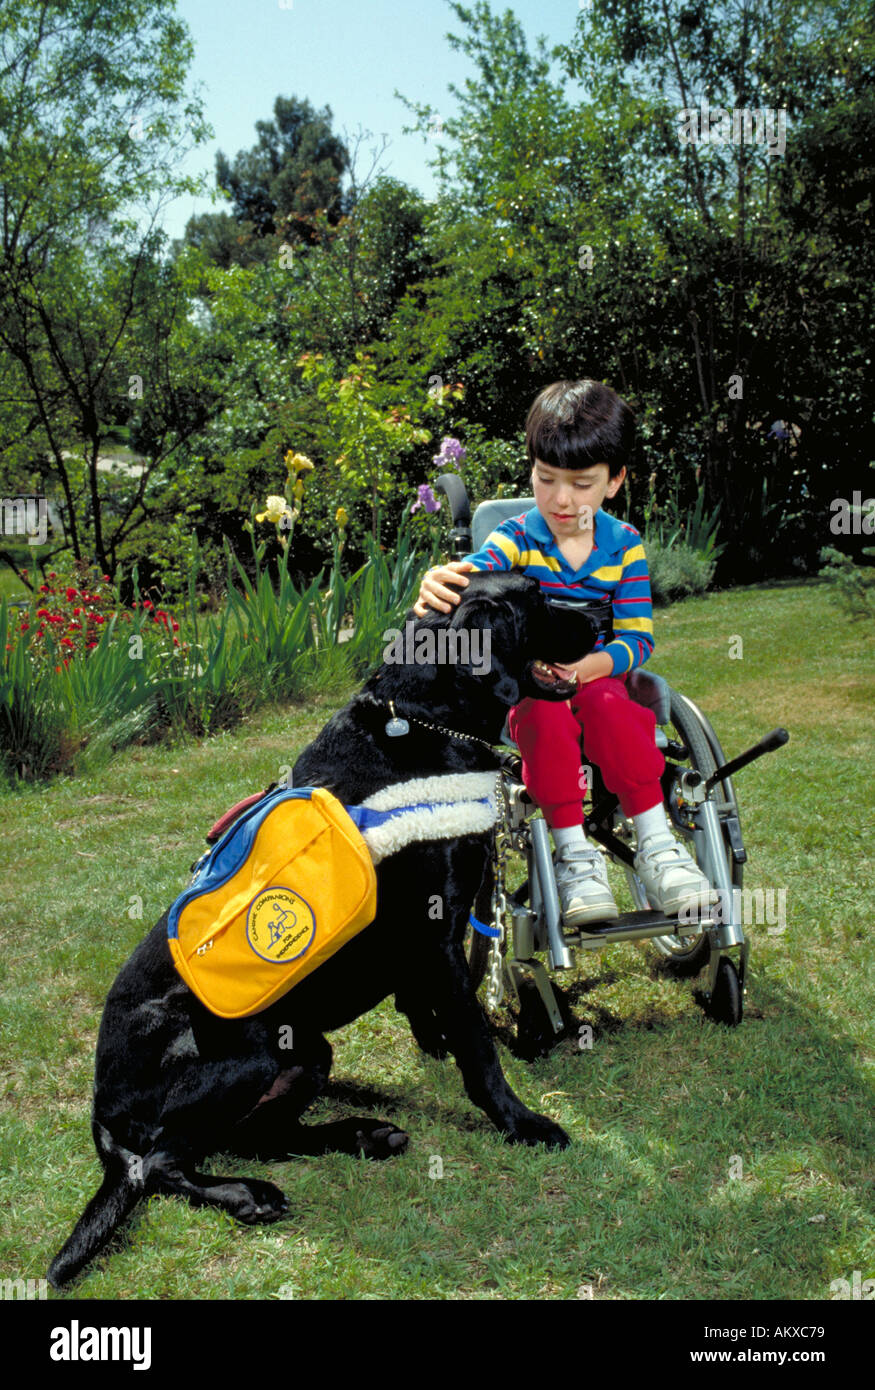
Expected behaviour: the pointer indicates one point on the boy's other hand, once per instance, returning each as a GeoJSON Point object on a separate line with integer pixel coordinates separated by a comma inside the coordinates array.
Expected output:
{"type": "Point", "coordinates": [589, 668]}
{"type": "Point", "coordinates": [433, 592]}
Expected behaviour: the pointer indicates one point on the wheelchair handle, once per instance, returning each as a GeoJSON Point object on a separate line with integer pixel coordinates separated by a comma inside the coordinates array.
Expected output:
{"type": "Point", "coordinates": [460, 510]}
{"type": "Point", "coordinates": [776, 739]}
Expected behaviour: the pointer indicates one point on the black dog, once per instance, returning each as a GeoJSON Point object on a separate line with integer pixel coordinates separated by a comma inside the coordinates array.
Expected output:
{"type": "Point", "coordinates": [175, 1083]}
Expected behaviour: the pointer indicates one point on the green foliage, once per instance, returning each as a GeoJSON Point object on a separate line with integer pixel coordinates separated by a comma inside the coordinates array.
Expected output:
{"type": "Point", "coordinates": [695, 279]}
{"type": "Point", "coordinates": [94, 111]}
{"type": "Point", "coordinates": [493, 467]}
{"type": "Point", "coordinates": [91, 94]}
{"type": "Point", "coordinates": [32, 736]}
{"type": "Point", "coordinates": [695, 529]}
{"type": "Point", "coordinates": [677, 571]}
{"type": "Point", "coordinates": [370, 433]}
{"type": "Point", "coordinates": [277, 188]}
{"type": "Point", "coordinates": [141, 682]}
{"type": "Point", "coordinates": [853, 586]}
{"type": "Point", "coordinates": [718, 287]}
{"type": "Point", "coordinates": [681, 548]}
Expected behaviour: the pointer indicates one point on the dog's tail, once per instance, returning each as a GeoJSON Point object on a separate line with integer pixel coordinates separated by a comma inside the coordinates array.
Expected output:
{"type": "Point", "coordinates": [115, 1199]}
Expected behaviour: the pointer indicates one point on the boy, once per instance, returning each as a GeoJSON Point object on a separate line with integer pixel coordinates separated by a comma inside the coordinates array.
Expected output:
{"type": "Point", "coordinates": [579, 435]}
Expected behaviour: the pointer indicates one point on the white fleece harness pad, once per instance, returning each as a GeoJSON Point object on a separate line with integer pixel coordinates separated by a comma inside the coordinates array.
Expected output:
{"type": "Point", "coordinates": [426, 808]}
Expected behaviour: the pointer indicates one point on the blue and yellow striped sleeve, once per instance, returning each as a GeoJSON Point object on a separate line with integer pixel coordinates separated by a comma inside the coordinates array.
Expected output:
{"type": "Point", "coordinates": [632, 643]}
{"type": "Point", "coordinates": [501, 549]}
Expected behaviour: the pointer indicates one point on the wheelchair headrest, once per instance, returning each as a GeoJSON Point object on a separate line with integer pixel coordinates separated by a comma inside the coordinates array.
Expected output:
{"type": "Point", "coordinates": [491, 514]}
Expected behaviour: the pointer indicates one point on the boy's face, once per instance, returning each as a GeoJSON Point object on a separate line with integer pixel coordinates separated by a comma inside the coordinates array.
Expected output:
{"type": "Point", "coordinates": [568, 499]}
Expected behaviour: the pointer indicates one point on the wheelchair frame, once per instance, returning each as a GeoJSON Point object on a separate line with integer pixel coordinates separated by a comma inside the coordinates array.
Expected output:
{"type": "Point", "coordinates": [700, 801]}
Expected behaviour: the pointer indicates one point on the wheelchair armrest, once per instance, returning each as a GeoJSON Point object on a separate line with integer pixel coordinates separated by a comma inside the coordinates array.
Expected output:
{"type": "Point", "coordinates": [653, 691]}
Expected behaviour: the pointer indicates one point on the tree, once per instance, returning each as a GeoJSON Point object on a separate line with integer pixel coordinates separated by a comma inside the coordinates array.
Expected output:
{"type": "Point", "coordinates": [764, 259]}
{"type": "Point", "coordinates": [502, 236]}
{"type": "Point", "coordinates": [278, 188]}
{"type": "Point", "coordinates": [346, 289]}
{"type": "Point", "coordinates": [93, 110]}
{"type": "Point", "coordinates": [705, 280]}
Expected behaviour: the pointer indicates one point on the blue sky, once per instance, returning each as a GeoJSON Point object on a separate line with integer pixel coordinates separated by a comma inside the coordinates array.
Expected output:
{"type": "Point", "coordinates": [350, 55]}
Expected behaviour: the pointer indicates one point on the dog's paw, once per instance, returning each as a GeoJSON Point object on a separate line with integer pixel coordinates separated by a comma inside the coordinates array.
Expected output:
{"type": "Point", "coordinates": [537, 1129]}
{"type": "Point", "coordinates": [255, 1202]}
{"type": "Point", "coordinates": [377, 1139]}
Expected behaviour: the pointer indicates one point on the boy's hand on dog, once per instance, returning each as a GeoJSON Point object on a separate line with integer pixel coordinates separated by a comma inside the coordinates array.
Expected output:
{"type": "Point", "coordinates": [433, 592]}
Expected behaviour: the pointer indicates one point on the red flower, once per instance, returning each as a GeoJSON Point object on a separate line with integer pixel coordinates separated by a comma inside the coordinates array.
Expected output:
{"type": "Point", "coordinates": [67, 642]}
{"type": "Point", "coordinates": [42, 612]}
{"type": "Point", "coordinates": [23, 627]}
{"type": "Point", "coordinates": [71, 594]}
{"type": "Point", "coordinates": [175, 625]}
{"type": "Point", "coordinates": [91, 644]}
{"type": "Point", "coordinates": [52, 574]}
{"type": "Point", "coordinates": [96, 618]}
{"type": "Point", "coordinates": [147, 603]}
{"type": "Point", "coordinates": [44, 588]}
{"type": "Point", "coordinates": [106, 579]}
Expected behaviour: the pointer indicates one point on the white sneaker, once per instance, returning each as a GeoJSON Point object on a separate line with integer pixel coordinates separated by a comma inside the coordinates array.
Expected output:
{"type": "Point", "coordinates": [584, 893]}
{"type": "Point", "coordinates": [672, 880]}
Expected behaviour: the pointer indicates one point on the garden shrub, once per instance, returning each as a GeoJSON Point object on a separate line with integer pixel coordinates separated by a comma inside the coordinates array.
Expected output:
{"type": "Point", "coordinates": [853, 586]}
{"type": "Point", "coordinates": [677, 571]}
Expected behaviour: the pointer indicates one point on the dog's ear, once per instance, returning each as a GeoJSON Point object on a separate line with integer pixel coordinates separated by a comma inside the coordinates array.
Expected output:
{"type": "Point", "coordinates": [486, 634]}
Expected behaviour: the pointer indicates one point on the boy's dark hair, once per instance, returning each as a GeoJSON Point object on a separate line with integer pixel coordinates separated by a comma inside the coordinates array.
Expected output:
{"type": "Point", "coordinates": [574, 424]}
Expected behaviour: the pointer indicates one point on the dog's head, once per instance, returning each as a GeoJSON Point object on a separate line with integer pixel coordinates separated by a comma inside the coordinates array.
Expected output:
{"type": "Point", "coordinates": [507, 636]}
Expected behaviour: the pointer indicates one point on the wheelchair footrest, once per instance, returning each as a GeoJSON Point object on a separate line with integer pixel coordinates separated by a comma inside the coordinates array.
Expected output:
{"type": "Point", "coordinates": [635, 926]}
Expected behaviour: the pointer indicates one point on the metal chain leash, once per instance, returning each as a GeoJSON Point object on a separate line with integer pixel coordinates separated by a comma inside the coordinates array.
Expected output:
{"type": "Point", "coordinates": [438, 728]}
{"type": "Point", "coordinates": [501, 843]}
{"type": "Point", "coordinates": [495, 988]}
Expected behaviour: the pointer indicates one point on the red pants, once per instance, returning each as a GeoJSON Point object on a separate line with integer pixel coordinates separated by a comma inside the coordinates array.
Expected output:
{"type": "Point", "coordinates": [618, 736]}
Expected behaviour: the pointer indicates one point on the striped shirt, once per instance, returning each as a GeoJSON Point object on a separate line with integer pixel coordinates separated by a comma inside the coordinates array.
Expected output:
{"type": "Point", "coordinates": [615, 568]}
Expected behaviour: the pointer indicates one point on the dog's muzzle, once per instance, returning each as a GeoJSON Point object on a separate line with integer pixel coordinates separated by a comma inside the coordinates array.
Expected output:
{"type": "Point", "coordinates": [549, 678]}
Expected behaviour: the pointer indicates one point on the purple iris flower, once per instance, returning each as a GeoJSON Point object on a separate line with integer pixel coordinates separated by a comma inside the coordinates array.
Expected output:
{"type": "Point", "coordinates": [426, 498]}
{"type": "Point", "coordinates": [452, 451]}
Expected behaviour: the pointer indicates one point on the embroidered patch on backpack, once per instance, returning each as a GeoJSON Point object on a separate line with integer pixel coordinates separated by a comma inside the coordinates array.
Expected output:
{"type": "Point", "coordinates": [280, 925]}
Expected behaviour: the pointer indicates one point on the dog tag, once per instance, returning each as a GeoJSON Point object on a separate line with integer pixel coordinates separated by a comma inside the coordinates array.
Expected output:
{"type": "Point", "coordinates": [396, 727]}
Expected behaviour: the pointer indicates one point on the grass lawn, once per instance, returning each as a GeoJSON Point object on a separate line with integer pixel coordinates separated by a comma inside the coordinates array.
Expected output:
{"type": "Point", "coordinates": [707, 1162]}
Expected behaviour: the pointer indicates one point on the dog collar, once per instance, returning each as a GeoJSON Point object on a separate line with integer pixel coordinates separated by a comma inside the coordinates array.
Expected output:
{"type": "Point", "coordinates": [397, 728]}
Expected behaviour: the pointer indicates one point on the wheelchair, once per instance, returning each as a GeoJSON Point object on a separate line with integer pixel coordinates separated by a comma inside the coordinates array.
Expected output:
{"type": "Point", "coordinates": [509, 929]}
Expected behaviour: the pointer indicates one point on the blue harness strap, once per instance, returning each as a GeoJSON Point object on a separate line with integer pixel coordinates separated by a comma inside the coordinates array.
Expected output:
{"type": "Point", "coordinates": [365, 817]}
{"type": "Point", "coordinates": [482, 928]}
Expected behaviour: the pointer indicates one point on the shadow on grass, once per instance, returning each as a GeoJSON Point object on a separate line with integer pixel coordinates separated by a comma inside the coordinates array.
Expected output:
{"type": "Point", "coordinates": [808, 1106]}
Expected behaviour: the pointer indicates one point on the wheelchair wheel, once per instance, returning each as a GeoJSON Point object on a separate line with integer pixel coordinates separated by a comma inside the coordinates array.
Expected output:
{"type": "Point", "coordinates": [686, 956]}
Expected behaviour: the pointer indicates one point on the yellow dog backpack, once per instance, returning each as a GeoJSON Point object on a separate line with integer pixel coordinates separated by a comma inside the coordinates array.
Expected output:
{"type": "Point", "coordinates": [288, 884]}
{"type": "Point", "coordinates": [291, 878]}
